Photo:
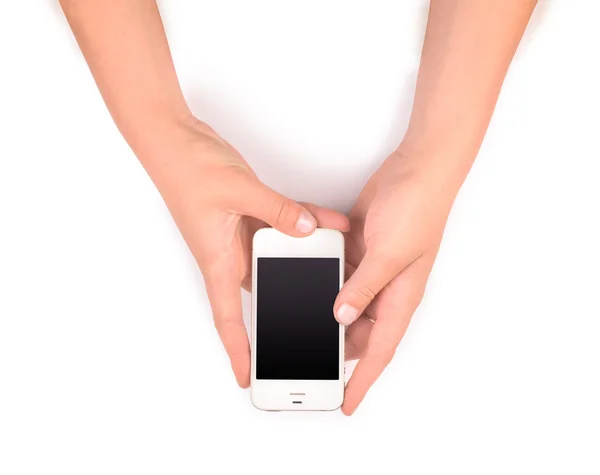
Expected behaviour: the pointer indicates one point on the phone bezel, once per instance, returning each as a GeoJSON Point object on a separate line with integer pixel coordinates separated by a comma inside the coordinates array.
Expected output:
{"type": "Point", "coordinates": [279, 395]}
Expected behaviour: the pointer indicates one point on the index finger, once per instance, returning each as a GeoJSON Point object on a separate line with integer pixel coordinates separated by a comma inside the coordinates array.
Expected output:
{"type": "Point", "coordinates": [369, 368]}
{"type": "Point", "coordinates": [397, 303]}
{"type": "Point", "coordinates": [225, 299]}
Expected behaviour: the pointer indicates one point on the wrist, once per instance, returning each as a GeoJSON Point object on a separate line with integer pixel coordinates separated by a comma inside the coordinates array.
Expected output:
{"type": "Point", "coordinates": [149, 136]}
{"type": "Point", "coordinates": [449, 146]}
{"type": "Point", "coordinates": [440, 170]}
{"type": "Point", "coordinates": [169, 151]}
{"type": "Point", "coordinates": [164, 143]}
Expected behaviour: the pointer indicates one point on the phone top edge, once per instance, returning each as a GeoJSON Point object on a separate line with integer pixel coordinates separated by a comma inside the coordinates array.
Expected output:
{"type": "Point", "coordinates": [265, 235]}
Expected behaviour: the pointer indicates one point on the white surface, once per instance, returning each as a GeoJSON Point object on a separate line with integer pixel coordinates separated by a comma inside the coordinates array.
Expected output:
{"type": "Point", "coordinates": [109, 362]}
{"type": "Point", "coordinates": [272, 394]}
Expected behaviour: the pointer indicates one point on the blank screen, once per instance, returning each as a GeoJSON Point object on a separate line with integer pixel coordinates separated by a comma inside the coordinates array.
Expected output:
{"type": "Point", "coordinates": [297, 336]}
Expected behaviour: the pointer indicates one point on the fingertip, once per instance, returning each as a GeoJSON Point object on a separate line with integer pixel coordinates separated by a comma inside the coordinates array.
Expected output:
{"type": "Point", "coordinates": [278, 211]}
{"type": "Point", "coordinates": [243, 380]}
{"type": "Point", "coordinates": [240, 364]}
{"type": "Point", "coordinates": [347, 410]}
{"type": "Point", "coordinates": [339, 222]}
{"type": "Point", "coordinates": [306, 223]}
{"type": "Point", "coordinates": [346, 314]}
{"type": "Point", "coordinates": [328, 218]}
{"type": "Point", "coordinates": [352, 400]}
{"type": "Point", "coordinates": [344, 225]}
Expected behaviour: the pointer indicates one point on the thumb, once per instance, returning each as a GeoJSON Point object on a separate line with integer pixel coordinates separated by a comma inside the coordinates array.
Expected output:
{"type": "Point", "coordinates": [278, 211]}
{"type": "Point", "coordinates": [375, 271]}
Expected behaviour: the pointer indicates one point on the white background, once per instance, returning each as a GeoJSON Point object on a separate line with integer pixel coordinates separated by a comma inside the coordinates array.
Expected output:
{"type": "Point", "coordinates": [109, 362]}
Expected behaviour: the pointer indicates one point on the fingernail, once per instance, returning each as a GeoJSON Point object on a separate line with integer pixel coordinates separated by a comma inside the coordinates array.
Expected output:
{"type": "Point", "coordinates": [306, 223]}
{"type": "Point", "coordinates": [346, 314]}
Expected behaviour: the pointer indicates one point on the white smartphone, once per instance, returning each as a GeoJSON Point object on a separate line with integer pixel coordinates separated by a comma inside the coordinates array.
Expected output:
{"type": "Point", "coordinates": [297, 345]}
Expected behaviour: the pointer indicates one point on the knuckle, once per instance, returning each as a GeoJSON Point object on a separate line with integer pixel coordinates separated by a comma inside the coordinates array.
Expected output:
{"type": "Point", "coordinates": [365, 293]}
{"type": "Point", "coordinates": [415, 296]}
{"type": "Point", "coordinates": [222, 324]}
{"type": "Point", "coordinates": [388, 259]}
{"type": "Point", "coordinates": [388, 355]}
{"type": "Point", "coordinates": [384, 353]}
{"type": "Point", "coordinates": [227, 330]}
{"type": "Point", "coordinates": [281, 212]}
{"type": "Point", "coordinates": [383, 343]}
{"type": "Point", "coordinates": [219, 325]}
{"type": "Point", "coordinates": [419, 295]}
{"type": "Point", "coordinates": [384, 346]}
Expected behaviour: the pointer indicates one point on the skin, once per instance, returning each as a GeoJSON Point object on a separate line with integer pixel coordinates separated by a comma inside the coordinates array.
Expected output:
{"type": "Point", "coordinates": [212, 193]}
{"type": "Point", "coordinates": [399, 217]}
{"type": "Point", "coordinates": [218, 202]}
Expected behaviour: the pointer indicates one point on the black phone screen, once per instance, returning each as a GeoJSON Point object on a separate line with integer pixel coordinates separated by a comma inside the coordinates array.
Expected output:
{"type": "Point", "coordinates": [297, 336]}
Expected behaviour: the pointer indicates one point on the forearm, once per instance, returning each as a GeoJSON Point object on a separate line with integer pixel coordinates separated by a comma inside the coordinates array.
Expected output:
{"type": "Point", "coordinates": [468, 47]}
{"type": "Point", "coordinates": [127, 51]}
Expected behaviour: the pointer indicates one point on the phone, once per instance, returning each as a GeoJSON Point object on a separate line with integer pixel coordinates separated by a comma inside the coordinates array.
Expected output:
{"type": "Point", "coordinates": [297, 344]}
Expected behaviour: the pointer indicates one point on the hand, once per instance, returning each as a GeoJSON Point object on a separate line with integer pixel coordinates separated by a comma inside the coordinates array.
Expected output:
{"type": "Point", "coordinates": [397, 225]}
{"type": "Point", "coordinates": [218, 203]}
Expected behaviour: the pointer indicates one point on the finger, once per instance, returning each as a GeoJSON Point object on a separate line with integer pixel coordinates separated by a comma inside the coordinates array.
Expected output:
{"type": "Point", "coordinates": [397, 304]}
{"type": "Point", "coordinates": [372, 308]}
{"type": "Point", "coordinates": [261, 202]}
{"type": "Point", "coordinates": [357, 334]}
{"type": "Point", "coordinates": [250, 227]}
{"type": "Point", "coordinates": [368, 369]}
{"type": "Point", "coordinates": [226, 302]}
{"type": "Point", "coordinates": [374, 272]}
{"type": "Point", "coordinates": [247, 283]}
{"type": "Point", "coordinates": [350, 269]}
{"type": "Point", "coordinates": [357, 337]}
{"type": "Point", "coordinates": [328, 218]}
{"type": "Point", "coordinates": [355, 247]}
